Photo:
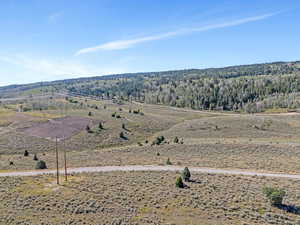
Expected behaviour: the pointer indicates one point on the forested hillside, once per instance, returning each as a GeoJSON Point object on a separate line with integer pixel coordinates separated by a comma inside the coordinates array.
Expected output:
{"type": "Point", "coordinates": [250, 88]}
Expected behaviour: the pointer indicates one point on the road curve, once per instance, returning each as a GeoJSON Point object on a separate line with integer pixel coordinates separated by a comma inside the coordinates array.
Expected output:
{"type": "Point", "coordinates": [148, 168]}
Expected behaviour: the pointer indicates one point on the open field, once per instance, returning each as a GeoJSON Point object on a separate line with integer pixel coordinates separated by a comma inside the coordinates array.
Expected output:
{"type": "Point", "coordinates": [145, 198]}
{"type": "Point", "coordinates": [260, 142]}
{"type": "Point", "coordinates": [25, 131]}
{"type": "Point", "coordinates": [257, 157]}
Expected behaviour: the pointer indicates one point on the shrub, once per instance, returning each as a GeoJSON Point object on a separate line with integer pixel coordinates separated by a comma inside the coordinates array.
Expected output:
{"type": "Point", "coordinates": [179, 183]}
{"type": "Point", "coordinates": [26, 153]}
{"type": "Point", "coordinates": [140, 144]}
{"type": "Point", "coordinates": [123, 126]}
{"type": "Point", "coordinates": [40, 165]}
{"type": "Point", "coordinates": [88, 129]}
{"type": "Point", "coordinates": [122, 135]}
{"type": "Point", "coordinates": [274, 195]}
{"type": "Point", "coordinates": [90, 114]}
{"type": "Point", "coordinates": [158, 154]}
{"type": "Point", "coordinates": [118, 116]}
{"type": "Point", "coordinates": [35, 157]}
{"type": "Point", "coordinates": [168, 162]}
{"type": "Point", "coordinates": [114, 114]}
{"type": "Point", "coordinates": [159, 140]}
{"type": "Point", "coordinates": [100, 126]}
{"type": "Point", "coordinates": [186, 174]}
{"type": "Point", "coordinates": [176, 140]}
{"type": "Point", "coordinates": [11, 163]}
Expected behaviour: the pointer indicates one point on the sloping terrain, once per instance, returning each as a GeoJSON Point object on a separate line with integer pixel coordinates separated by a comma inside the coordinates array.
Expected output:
{"type": "Point", "coordinates": [260, 142]}
{"type": "Point", "coordinates": [60, 128]}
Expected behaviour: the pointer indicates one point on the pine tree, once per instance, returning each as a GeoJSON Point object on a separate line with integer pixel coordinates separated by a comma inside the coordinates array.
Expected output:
{"type": "Point", "coordinates": [179, 183]}
{"type": "Point", "coordinates": [26, 153]}
{"type": "Point", "coordinates": [186, 175]}
{"type": "Point", "coordinates": [176, 140]}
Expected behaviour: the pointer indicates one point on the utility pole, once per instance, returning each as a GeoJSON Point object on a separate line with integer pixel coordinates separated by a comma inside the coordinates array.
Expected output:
{"type": "Point", "coordinates": [57, 171]}
{"type": "Point", "coordinates": [65, 159]}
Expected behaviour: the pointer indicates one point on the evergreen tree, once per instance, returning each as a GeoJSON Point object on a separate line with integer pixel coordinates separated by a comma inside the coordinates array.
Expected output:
{"type": "Point", "coordinates": [186, 175]}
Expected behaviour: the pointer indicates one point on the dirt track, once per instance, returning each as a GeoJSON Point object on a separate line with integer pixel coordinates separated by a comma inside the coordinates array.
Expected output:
{"type": "Point", "coordinates": [149, 168]}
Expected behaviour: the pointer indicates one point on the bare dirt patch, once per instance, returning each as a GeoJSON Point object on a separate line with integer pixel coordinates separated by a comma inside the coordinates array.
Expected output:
{"type": "Point", "coordinates": [64, 127]}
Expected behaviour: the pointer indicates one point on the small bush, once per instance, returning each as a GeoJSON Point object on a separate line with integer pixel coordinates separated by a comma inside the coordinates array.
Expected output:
{"type": "Point", "coordinates": [159, 140]}
{"type": "Point", "coordinates": [11, 163]}
{"type": "Point", "coordinates": [88, 129]}
{"type": "Point", "coordinates": [179, 183]}
{"type": "Point", "coordinates": [123, 126]}
{"type": "Point", "coordinates": [140, 144]}
{"type": "Point", "coordinates": [176, 140]}
{"type": "Point", "coordinates": [90, 114]}
{"type": "Point", "coordinates": [41, 165]}
{"type": "Point", "coordinates": [114, 114]}
{"type": "Point", "coordinates": [122, 135]}
{"type": "Point", "coordinates": [26, 153]}
{"type": "Point", "coordinates": [168, 162]}
{"type": "Point", "coordinates": [35, 157]}
{"type": "Point", "coordinates": [274, 195]}
{"type": "Point", "coordinates": [118, 116]}
{"type": "Point", "coordinates": [186, 174]}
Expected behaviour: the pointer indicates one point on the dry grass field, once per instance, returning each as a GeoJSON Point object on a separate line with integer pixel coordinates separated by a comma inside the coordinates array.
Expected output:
{"type": "Point", "coordinates": [268, 142]}
{"type": "Point", "coordinates": [145, 198]}
{"type": "Point", "coordinates": [260, 142]}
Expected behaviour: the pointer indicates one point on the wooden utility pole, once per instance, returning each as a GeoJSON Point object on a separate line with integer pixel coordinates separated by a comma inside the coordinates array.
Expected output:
{"type": "Point", "coordinates": [57, 171]}
{"type": "Point", "coordinates": [65, 159]}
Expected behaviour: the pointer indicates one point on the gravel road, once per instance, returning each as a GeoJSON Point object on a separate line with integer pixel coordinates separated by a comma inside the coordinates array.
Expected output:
{"type": "Point", "coordinates": [148, 168]}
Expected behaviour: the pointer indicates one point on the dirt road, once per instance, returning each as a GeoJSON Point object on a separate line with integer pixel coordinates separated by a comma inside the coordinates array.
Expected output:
{"type": "Point", "coordinates": [149, 168]}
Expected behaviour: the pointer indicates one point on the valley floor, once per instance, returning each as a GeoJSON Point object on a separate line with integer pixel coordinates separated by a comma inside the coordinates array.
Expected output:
{"type": "Point", "coordinates": [261, 143]}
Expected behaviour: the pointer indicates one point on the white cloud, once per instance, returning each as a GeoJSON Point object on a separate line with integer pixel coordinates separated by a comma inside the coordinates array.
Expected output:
{"type": "Point", "coordinates": [3, 84]}
{"type": "Point", "coordinates": [50, 70]}
{"type": "Point", "coordinates": [124, 44]}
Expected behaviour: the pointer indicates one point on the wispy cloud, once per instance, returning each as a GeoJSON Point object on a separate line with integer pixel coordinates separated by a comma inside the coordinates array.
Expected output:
{"type": "Point", "coordinates": [124, 44]}
{"type": "Point", "coordinates": [51, 69]}
{"type": "Point", "coordinates": [54, 17]}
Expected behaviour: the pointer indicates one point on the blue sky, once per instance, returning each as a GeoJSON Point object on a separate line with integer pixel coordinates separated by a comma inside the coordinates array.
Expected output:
{"type": "Point", "coordinates": [56, 39]}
